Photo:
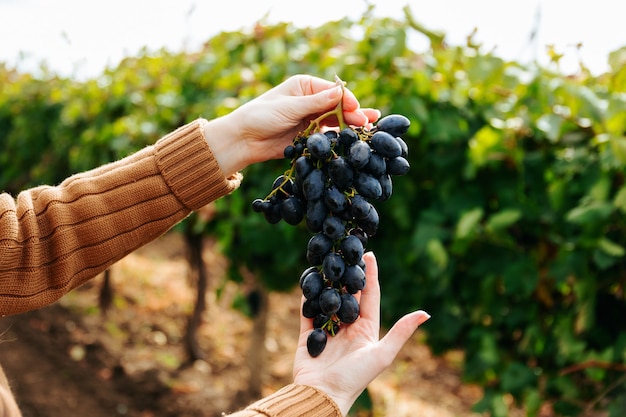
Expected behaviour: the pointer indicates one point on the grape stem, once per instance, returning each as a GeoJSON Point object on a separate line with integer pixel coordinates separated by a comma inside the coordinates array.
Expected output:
{"type": "Point", "coordinates": [337, 112]}
{"type": "Point", "coordinates": [314, 126]}
{"type": "Point", "coordinates": [328, 326]}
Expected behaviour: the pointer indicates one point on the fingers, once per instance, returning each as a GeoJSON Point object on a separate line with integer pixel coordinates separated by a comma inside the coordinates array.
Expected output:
{"type": "Point", "coordinates": [400, 333]}
{"type": "Point", "coordinates": [371, 114]}
{"type": "Point", "coordinates": [362, 117]}
{"type": "Point", "coordinates": [309, 85]}
{"type": "Point", "coordinates": [326, 95]}
{"type": "Point", "coordinates": [370, 295]}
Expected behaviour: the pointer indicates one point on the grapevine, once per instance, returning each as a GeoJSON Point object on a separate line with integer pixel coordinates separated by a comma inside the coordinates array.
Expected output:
{"type": "Point", "coordinates": [332, 180]}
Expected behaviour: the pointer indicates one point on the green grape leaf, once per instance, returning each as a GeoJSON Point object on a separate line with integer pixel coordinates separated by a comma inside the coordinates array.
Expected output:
{"type": "Point", "coordinates": [437, 253]}
{"type": "Point", "coordinates": [503, 219]}
{"type": "Point", "coordinates": [590, 213]}
{"type": "Point", "coordinates": [611, 248]}
{"type": "Point", "coordinates": [551, 125]}
{"type": "Point", "coordinates": [468, 223]}
{"type": "Point", "coordinates": [620, 200]}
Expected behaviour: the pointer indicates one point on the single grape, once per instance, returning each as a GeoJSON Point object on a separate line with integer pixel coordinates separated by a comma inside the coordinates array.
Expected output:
{"type": "Point", "coordinates": [303, 167]}
{"type": "Point", "coordinates": [257, 205]}
{"type": "Point", "coordinates": [272, 213]}
{"type": "Point", "coordinates": [292, 210]}
{"type": "Point", "coordinates": [319, 146]}
{"type": "Point", "coordinates": [306, 272]}
{"type": "Point", "coordinates": [273, 200]}
{"type": "Point", "coordinates": [289, 152]}
{"type": "Point", "coordinates": [313, 185]}
{"type": "Point", "coordinates": [316, 342]}
{"type": "Point", "coordinates": [319, 244]}
{"type": "Point", "coordinates": [332, 135]}
{"type": "Point", "coordinates": [329, 301]}
{"type": "Point", "coordinates": [386, 144]}
{"type": "Point", "coordinates": [359, 154]}
{"type": "Point", "coordinates": [312, 285]}
{"type": "Point", "coordinates": [359, 207]}
{"type": "Point", "coordinates": [316, 213]}
{"type": "Point", "coordinates": [311, 308]}
{"type": "Point", "coordinates": [347, 137]}
{"type": "Point", "coordinates": [351, 249]}
{"type": "Point", "coordinates": [397, 166]}
{"type": "Point", "coordinates": [335, 200]}
{"type": "Point", "coordinates": [369, 224]}
{"type": "Point", "coordinates": [376, 166]}
{"type": "Point", "coordinates": [403, 146]}
{"type": "Point", "coordinates": [394, 124]}
{"type": "Point", "coordinates": [386, 186]}
{"type": "Point", "coordinates": [349, 310]}
{"type": "Point", "coordinates": [283, 187]}
{"type": "Point", "coordinates": [340, 173]}
{"type": "Point", "coordinates": [367, 186]}
{"type": "Point", "coordinates": [354, 278]}
{"type": "Point", "coordinates": [333, 227]}
{"type": "Point", "coordinates": [333, 266]}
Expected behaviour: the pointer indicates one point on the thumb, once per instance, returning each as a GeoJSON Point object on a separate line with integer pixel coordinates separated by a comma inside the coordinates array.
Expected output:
{"type": "Point", "coordinates": [400, 333]}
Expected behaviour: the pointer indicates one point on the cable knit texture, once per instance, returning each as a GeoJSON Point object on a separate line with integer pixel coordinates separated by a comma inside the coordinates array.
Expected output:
{"type": "Point", "coordinates": [293, 401]}
{"type": "Point", "coordinates": [53, 239]}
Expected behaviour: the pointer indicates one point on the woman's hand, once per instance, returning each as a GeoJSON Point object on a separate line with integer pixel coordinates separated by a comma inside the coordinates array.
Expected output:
{"type": "Point", "coordinates": [355, 356]}
{"type": "Point", "coordinates": [261, 129]}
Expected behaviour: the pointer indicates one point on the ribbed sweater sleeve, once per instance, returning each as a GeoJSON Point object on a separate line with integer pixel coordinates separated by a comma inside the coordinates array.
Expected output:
{"type": "Point", "coordinates": [292, 401]}
{"type": "Point", "coordinates": [54, 238]}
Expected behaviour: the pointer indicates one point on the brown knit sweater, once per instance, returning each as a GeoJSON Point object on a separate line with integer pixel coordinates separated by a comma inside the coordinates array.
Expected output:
{"type": "Point", "coordinates": [53, 239]}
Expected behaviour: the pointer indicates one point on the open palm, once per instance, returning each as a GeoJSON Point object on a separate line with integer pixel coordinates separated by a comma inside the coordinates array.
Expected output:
{"type": "Point", "coordinates": [356, 355]}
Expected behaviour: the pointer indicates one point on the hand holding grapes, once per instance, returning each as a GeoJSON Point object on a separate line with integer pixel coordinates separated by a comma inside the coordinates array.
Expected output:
{"type": "Point", "coordinates": [260, 129]}
{"type": "Point", "coordinates": [333, 179]}
{"type": "Point", "coordinates": [356, 355]}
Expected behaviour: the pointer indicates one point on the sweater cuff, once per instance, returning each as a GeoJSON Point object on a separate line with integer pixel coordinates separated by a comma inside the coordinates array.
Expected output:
{"type": "Point", "coordinates": [297, 401]}
{"type": "Point", "coordinates": [190, 169]}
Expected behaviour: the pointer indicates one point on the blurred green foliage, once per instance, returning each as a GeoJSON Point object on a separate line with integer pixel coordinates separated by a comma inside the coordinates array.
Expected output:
{"type": "Point", "coordinates": [509, 228]}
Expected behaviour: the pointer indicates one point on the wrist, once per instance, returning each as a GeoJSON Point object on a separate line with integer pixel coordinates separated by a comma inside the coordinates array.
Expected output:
{"type": "Point", "coordinates": [226, 144]}
{"type": "Point", "coordinates": [343, 401]}
{"type": "Point", "coordinates": [343, 404]}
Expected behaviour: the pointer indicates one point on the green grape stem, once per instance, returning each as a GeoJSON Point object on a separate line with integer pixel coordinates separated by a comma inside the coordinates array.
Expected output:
{"type": "Point", "coordinates": [315, 124]}
{"type": "Point", "coordinates": [328, 326]}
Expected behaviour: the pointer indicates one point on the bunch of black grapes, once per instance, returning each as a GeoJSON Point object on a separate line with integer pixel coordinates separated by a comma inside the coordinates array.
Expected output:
{"type": "Point", "coordinates": [333, 179]}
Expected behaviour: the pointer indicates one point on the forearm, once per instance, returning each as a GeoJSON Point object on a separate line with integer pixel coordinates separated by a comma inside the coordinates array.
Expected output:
{"type": "Point", "coordinates": [8, 407]}
{"type": "Point", "coordinates": [55, 238]}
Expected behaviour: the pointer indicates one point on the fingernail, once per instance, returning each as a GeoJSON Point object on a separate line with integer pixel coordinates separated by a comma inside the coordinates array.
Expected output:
{"type": "Point", "coordinates": [424, 316]}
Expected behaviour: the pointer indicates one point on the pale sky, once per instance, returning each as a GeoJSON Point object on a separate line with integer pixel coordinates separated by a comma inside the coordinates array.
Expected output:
{"type": "Point", "coordinates": [80, 37]}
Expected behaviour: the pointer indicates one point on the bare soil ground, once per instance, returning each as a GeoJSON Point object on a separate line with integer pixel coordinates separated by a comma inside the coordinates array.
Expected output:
{"type": "Point", "coordinates": [69, 359]}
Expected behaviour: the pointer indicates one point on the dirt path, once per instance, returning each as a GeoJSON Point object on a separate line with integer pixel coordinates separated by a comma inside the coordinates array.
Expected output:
{"type": "Point", "coordinates": [48, 382]}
